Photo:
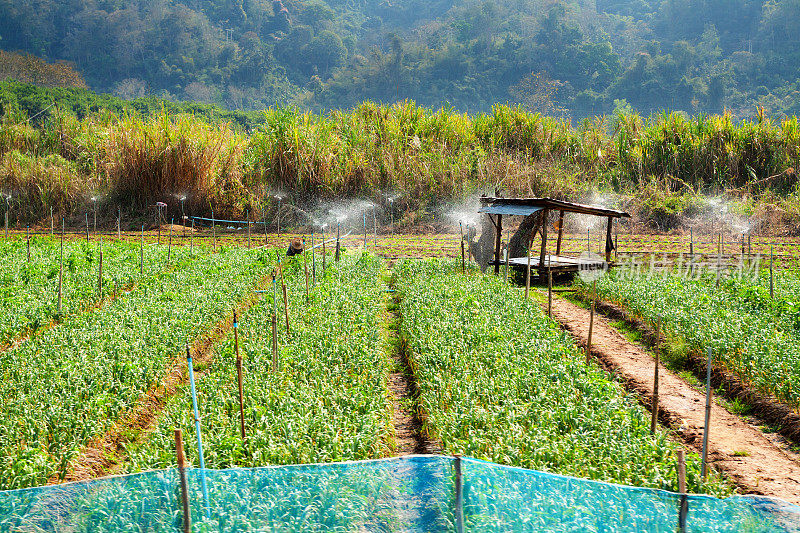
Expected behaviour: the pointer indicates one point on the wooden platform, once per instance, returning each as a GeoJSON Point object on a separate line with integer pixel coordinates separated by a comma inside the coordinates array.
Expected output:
{"type": "Point", "coordinates": [556, 263]}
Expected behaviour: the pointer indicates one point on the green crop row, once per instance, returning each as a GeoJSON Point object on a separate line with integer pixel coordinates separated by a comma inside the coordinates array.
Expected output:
{"type": "Point", "coordinates": [68, 385]}
{"type": "Point", "coordinates": [500, 381]}
{"type": "Point", "coordinates": [326, 402]}
{"type": "Point", "coordinates": [29, 289]}
{"type": "Point", "coordinates": [748, 333]}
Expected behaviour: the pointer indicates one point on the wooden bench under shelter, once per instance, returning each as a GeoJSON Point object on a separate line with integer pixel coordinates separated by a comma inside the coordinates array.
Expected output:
{"type": "Point", "coordinates": [537, 212]}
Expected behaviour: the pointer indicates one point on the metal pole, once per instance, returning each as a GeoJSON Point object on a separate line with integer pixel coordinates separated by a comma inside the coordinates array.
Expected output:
{"type": "Point", "coordinates": [708, 417]}
{"type": "Point", "coordinates": [528, 269]}
{"type": "Point", "coordinates": [190, 365]}
{"type": "Point", "coordinates": [459, 507]}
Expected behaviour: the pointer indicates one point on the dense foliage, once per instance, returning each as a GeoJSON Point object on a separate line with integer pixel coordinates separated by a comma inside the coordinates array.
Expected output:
{"type": "Point", "coordinates": [326, 401]}
{"type": "Point", "coordinates": [71, 383]}
{"type": "Point", "coordinates": [500, 381]}
{"type": "Point", "coordinates": [748, 333]}
{"type": "Point", "coordinates": [573, 56]}
{"type": "Point", "coordinates": [658, 168]}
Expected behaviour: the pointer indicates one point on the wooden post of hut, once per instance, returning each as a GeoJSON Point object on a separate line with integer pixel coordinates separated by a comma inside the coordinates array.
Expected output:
{"type": "Point", "coordinates": [609, 242]}
{"type": "Point", "coordinates": [543, 251]}
{"type": "Point", "coordinates": [498, 238]}
{"type": "Point", "coordinates": [560, 231]}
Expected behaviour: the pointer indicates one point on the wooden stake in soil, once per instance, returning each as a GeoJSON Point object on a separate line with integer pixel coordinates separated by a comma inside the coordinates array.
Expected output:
{"type": "Point", "coordinates": [141, 252]}
{"type": "Point", "coordinates": [313, 261]}
{"type": "Point", "coordinates": [459, 503]}
{"type": "Point", "coordinates": [704, 465]}
{"type": "Point", "coordinates": [285, 305]}
{"type": "Point", "coordinates": [508, 254]}
{"type": "Point", "coordinates": [528, 269]}
{"type": "Point", "coordinates": [159, 232]}
{"type": "Point", "coordinates": [305, 266]}
{"type": "Point", "coordinates": [239, 373]}
{"type": "Point", "coordinates": [61, 270]}
{"type": "Point", "coordinates": [119, 223]}
{"type": "Point", "coordinates": [323, 250]}
{"type": "Point", "coordinates": [654, 407]}
{"type": "Point", "coordinates": [51, 221]}
{"type": "Point", "coordinates": [463, 260]}
{"type": "Point", "coordinates": [247, 216]}
{"type": "Point", "coordinates": [169, 248]}
{"type": "Point", "coordinates": [100, 270]}
{"type": "Point", "coordinates": [187, 512]}
{"type": "Point", "coordinates": [591, 323]}
{"type": "Point", "coordinates": [28, 241]}
{"type": "Point", "coordinates": [549, 292]}
{"type": "Point", "coordinates": [213, 231]}
{"type": "Point", "coordinates": [274, 342]}
{"type": "Point", "coordinates": [691, 242]}
{"type": "Point", "coordinates": [338, 249]}
{"type": "Point", "coordinates": [191, 240]}
{"type": "Point", "coordinates": [87, 227]}
{"type": "Point", "coordinates": [684, 505]}
{"type": "Point", "coordinates": [771, 273]}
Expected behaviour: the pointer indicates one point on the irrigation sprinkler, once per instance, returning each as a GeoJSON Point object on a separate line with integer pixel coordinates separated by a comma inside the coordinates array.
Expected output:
{"type": "Point", "coordinates": [239, 372]}
{"type": "Point", "coordinates": [190, 365]}
{"type": "Point", "coordinates": [338, 247]}
{"type": "Point", "coordinates": [187, 511]}
{"type": "Point", "coordinates": [704, 463]}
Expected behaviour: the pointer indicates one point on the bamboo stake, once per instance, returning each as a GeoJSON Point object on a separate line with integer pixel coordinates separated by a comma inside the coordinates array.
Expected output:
{"type": "Point", "coordinates": [704, 463]}
{"type": "Point", "coordinates": [239, 373]}
{"type": "Point", "coordinates": [528, 270]}
{"type": "Point", "coordinates": [771, 273]}
{"type": "Point", "coordinates": [591, 323]}
{"type": "Point", "coordinates": [305, 265]}
{"type": "Point", "coordinates": [365, 232]}
{"type": "Point", "coordinates": [28, 241]}
{"type": "Point", "coordinates": [463, 261]}
{"type": "Point", "coordinates": [247, 215]}
{"type": "Point", "coordinates": [549, 292]}
{"type": "Point", "coordinates": [459, 503]}
{"type": "Point", "coordinates": [213, 231]}
{"type": "Point", "coordinates": [285, 305]}
{"type": "Point", "coordinates": [187, 512]}
{"type": "Point", "coordinates": [274, 342]}
{"type": "Point", "coordinates": [684, 505]}
{"type": "Point", "coordinates": [87, 228]}
{"type": "Point", "coordinates": [159, 232]}
{"type": "Point", "coordinates": [100, 270]}
{"type": "Point", "coordinates": [61, 270]}
{"type": "Point", "coordinates": [508, 254]}
{"type": "Point", "coordinates": [691, 242]}
{"type": "Point", "coordinates": [654, 407]}
{"type": "Point", "coordinates": [119, 223]}
{"type": "Point", "coordinates": [313, 261]}
{"type": "Point", "coordinates": [6, 215]}
{"type": "Point", "coordinates": [191, 240]}
{"type": "Point", "coordinates": [338, 249]}
{"type": "Point", "coordinates": [51, 221]}
{"type": "Point", "coordinates": [323, 250]}
{"type": "Point", "coordinates": [169, 248]}
{"type": "Point", "coordinates": [375, 227]}
{"type": "Point", "coordinates": [141, 253]}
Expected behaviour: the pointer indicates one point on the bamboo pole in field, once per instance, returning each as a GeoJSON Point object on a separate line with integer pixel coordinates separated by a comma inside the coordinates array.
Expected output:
{"type": "Point", "coordinates": [285, 305]}
{"type": "Point", "coordinates": [683, 510]}
{"type": "Point", "coordinates": [508, 253]}
{"type": "Point", "coordinates": [654, 407]}
{"type": "Point", "coordinates": [771, 273]}
{"type": "Point", "coordinates": [187, 512]}
{"type": "Point", "coordinates": [119, 223]}
{"type": "Point", "coordinates": [264, 220]}
{"type": "Point", "coordinates": [463, 260]}
{"type": "Point", "coordinates": [591, 323]}
{"type": "Point", "coordinates": [141, 252]}
{"type": "Point", "coordinates": [190, 365]}
{"type": "Point", "coordinates": [338, 248]}
{"type": "Point", "coordinates": [691, 242]}
{"type": "Point", "coordinates": [239, 373]}
{"type": "Point", "coordinates": [274, 342]}
{"type": "Point", "coordinates": [61, 270]}
{"type": "Point", "coordinates": [313, 261]}
{"type": "Point", "coordinates": [28, 241]}
{"type": "Point", "coordinates": [100, 270]}
{"type": "Point", "coordinates": [549, 291]}
{"type": "Point", "coordinates": [191, 240]}
{"type": "Point", "coordinates": [528, 269]}
{"type": "Point", "coordinates": [305, 265]}
{"type": "Point", "coordinates": [87, 227]}
{"type": "Point", "coordinates": [704, 464]}
{"type": "Point", "coordinates": [51, 221]}
{"type": "Point", "coordinates": [213, 231]}
{"type": "Point", "coordinates": [247, 216]}
{"type": "Point", "coordinates": [323, 250]}
{"type": "Point", "coordinates": [159, 232]}
{"type": "Point", "coordinates": [6, 216]}
{"type": "Point", "coordinates": [169, 248]}
{"type": "Point", "coordinates": [375, 227]}
{"type": "Point", "coordinates": [365, 232]}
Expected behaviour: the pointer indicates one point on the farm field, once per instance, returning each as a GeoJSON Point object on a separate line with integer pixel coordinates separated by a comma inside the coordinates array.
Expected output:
{"type": "Point", "coordinates": [66, 386]}
{"type": "Point", "coordinates": [747, 332]}
{"type": "Point", "coordinates": [495, 378]}
{"type": "Point", "coordinates": [500, 381]}
{"type": "Point", "coordinates": [325, 401]}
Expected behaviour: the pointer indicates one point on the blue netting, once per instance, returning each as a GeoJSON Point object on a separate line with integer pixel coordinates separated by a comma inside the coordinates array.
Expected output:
{"type": "Point", "coordinates": [415, 493]}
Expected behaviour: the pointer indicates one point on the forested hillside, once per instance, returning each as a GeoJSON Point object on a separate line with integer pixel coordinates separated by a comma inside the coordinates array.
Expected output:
{"type": "Point", "coordinates": [572, 58]}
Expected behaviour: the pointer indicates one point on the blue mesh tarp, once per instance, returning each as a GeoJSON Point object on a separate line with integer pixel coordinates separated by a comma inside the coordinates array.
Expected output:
{"type": "Point", "coordinates": [408, 494]}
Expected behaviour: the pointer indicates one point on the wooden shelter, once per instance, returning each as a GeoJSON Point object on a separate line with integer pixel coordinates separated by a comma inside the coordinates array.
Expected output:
{"type": "Point", "coordinates": [537, 212]}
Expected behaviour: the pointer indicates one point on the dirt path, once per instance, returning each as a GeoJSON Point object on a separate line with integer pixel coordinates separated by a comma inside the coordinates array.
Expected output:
{"type": "Point", "coordinates": [105, 456]}
{"type": "Point", "coordinates": [736, 448]}
{"type": "Point", "coordinates": [409, 437]}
